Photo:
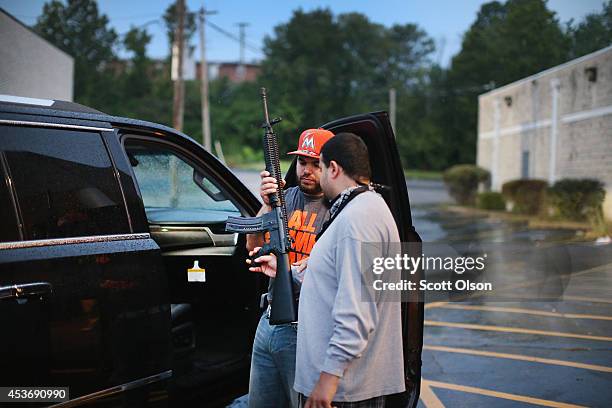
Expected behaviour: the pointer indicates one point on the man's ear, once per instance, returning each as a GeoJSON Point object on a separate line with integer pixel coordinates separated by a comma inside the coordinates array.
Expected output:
{"type": "Point", "coordinates": [334, 169]}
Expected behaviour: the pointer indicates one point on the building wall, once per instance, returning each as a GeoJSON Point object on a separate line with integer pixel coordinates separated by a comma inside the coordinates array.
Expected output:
{"type": "Point", "coordinates": [30, 66]}
{"type": "Point", "coordinates": [552, 125]}
{"type": "Point", "coordinates": [231, 71]}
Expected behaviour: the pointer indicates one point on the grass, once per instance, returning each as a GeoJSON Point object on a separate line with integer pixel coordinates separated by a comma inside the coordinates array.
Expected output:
{"type": "Point", "coordinates": [258, 166]}
{"type": "Point", "coordinates": [587, 231]}
{"type": "Point", "coordinates": [423, 174]}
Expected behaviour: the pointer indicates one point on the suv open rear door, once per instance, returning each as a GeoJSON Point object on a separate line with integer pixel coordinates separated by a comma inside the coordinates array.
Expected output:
{"type": "Point", "coordinates": [375, 129]}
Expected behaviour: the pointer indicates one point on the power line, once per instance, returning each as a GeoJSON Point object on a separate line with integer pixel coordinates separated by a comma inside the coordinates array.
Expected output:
{"type": "Point", "coordinates": [137, 17]}
{"type": "Point", "coordinates": [234, 37]}
{"type": "Point", "coordinates": [140, 27]}
{"type": "Point", "coordinates": [242, 26]}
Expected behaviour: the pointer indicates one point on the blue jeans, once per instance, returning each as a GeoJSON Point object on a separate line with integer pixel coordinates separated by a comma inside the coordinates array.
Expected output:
{"type": "Point", "coordinates": [273, 366]}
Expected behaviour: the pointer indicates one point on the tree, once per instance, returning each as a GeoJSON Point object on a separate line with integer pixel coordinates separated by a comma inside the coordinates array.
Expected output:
{"type": "Point", "coordinates": [506, 42]}
{"type": "Point", "coordinates": [592, 34]}
{"type": "Point", "coordinates": [327, 66]}
{"type": "Point", "coordinates": [171, 20]}
{"type": "Point", "coordinates": [137, 81]}
{"type": "Point", "coordinates": [78, 29]}
{"type": "Point", "coordinates": [301, 64]}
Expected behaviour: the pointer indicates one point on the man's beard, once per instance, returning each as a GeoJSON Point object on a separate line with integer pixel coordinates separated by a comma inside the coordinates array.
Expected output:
{"type": "Point", "coordinates": [313, 189]}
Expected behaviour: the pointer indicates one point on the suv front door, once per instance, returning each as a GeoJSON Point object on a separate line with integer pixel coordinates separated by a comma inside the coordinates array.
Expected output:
{"type": "Point", "coordinates": [188, 195]}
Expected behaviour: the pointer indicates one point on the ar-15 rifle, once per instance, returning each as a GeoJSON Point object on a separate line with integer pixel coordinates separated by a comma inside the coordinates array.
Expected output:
{"type": "Point", "coordinates": [283, 308]}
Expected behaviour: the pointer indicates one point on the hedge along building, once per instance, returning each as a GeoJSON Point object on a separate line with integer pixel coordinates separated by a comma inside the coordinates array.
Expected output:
{"type": "Point", "coordinates": [552, 125]}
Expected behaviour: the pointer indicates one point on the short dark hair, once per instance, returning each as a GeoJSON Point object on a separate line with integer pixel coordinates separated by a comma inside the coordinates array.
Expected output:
{"type": "Point", "coordinates": [351, 153]}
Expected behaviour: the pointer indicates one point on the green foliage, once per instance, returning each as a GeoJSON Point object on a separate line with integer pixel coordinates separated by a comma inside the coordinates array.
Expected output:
{"type": "Point", "coordinates": [171, 20]}
{"type": "Point", "coordinates": [319, 66]}
{"type": "Point", "coordinates": [508, 41]}
{"type": "Point", "coordinates": [577, 199]}
{"type": "Point", "coordinates": [78, 29]}
{"type": "Point", "coordinates": [327, 66]}
{"type": "Point", "coordinates": [527, 196]}
{"type": "Point", "coordinates": [490, 200]}
{"type": "Point", "coordinates": [137, 81]}
{"type": "Point", "coordinates": [462, 181]}
{"type": "Point", "coordinates": [592, 34]}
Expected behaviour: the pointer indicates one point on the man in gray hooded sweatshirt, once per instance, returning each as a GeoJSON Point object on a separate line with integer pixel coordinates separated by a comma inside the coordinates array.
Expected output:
{"type": "Point", "coordinates": [349, 346]}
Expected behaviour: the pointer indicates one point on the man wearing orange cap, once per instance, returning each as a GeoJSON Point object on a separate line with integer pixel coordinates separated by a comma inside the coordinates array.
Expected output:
{"type": "Point", "coordinates": [273, 359]}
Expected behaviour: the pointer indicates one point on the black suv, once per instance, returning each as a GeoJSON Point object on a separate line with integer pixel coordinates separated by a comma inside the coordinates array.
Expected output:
{"type": "Point", "coordinates": [101, 219]}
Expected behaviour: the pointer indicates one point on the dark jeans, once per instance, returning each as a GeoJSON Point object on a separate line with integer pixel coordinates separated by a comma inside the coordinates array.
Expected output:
{"type": "Point", "coordinates": [273, 366]}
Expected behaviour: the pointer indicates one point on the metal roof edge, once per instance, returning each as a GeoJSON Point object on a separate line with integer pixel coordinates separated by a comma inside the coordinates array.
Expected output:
{"type": "Point", "coordinates": [548, 71]}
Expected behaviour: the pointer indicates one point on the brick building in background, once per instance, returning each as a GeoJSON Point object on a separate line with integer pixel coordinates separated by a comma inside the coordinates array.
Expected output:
{"type": "Point", "coordinates": [30, 65]}
{"type": "Point", "coordinates": [233, 71]}
{"type": "Point", "coordinates": [552, 125]}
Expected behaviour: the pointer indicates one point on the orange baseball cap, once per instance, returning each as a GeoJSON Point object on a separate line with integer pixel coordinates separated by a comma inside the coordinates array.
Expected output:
{"type": "Point", "coordinates": [311, 141]}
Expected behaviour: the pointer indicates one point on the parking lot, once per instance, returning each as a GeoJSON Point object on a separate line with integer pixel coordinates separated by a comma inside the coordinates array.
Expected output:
{"type": "Point", "coordinates": [530, 352]}
{"type": "Point", "coordinates": [515, 352]}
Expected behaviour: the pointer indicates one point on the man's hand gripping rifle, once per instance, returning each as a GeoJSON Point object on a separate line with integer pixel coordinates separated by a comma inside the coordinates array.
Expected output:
{"type": "Point", "coordinates": [283, 308]}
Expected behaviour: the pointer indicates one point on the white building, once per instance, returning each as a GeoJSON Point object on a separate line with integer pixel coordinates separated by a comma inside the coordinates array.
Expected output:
{"type": "Point", "coordinates": [30, 65]}
{"type": "Point", "coordinates": [552, 125]}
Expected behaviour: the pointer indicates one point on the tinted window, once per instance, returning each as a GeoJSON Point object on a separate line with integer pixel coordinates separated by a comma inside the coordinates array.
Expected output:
{"type": "Point", "coordinates": [172, 190]}
{"type": "Point", "coordinates": [64, 181]}
{"type": "Point", "coordinates": [8, 218]}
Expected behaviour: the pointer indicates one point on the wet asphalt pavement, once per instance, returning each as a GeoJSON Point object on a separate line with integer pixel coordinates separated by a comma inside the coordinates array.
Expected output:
{"type": "Point", "coordinates": [544, 341]}
{"type": "Point", "coordinates": [523, 351]}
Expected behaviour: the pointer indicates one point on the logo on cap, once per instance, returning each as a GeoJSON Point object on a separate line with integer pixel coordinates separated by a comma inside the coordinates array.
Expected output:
{"type": "Point", "coordinates": [311, 141]}
{"type": "Point", "coordinates": [308, 142]}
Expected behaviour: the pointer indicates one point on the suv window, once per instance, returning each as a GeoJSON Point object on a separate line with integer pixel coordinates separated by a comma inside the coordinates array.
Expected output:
{"type": "Point", "coordinates": [8, 218]}
{"type": "Point", "coordinates": [64, 182]}
{"type": "Point", "coordinates": [174, 190]}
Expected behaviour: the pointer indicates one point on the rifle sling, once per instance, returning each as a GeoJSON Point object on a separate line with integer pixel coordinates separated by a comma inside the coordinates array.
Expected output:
{"type": "Point", "coordinates": [352, 195]}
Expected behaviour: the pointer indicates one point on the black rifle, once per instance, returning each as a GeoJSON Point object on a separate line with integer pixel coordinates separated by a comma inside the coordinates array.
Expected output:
{"type": "Point", "coordinates": [283, 308]}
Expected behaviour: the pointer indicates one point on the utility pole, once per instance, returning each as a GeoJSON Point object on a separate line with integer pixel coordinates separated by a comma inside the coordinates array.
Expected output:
{"type": "Point", "coordinates": [178, 103]}
{"type": "Point", "coordinates": [392, 97]}
{"type": "Point", "coordinates": [204, 82]}
{"type": "Point", "coordinates": [242, 68]}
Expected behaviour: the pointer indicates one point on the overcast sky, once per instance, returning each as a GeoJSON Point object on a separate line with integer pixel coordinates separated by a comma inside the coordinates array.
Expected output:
{"type": "Point", "coordinates": [444, 20]}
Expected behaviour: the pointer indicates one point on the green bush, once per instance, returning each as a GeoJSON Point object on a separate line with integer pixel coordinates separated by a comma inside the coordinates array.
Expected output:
{"type": "Point", "coordinates": [577, 199]}
{"type": "Point", "coordinates": [491, 200]}
{"type": "Point", "coordinates": [462, 181]}
{"type": "Point", "coordinates": [526, 195]}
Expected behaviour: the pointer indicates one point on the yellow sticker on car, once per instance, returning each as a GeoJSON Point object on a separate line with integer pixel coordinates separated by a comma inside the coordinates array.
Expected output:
{"type": "Point", "coordinates": [195, 273]}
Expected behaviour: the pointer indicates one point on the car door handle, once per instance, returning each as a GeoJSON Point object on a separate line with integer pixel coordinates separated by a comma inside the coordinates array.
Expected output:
{"type": "Point", "coordinates": [25, 290]}
{"type": "Point", "coordinates": [174, 236]}
{"type": "Point", "coordinates": [221, 240]}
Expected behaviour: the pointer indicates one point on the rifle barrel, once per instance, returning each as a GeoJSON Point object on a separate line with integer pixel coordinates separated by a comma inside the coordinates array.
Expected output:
{"type": "Point", "coordinates": [264, 97]}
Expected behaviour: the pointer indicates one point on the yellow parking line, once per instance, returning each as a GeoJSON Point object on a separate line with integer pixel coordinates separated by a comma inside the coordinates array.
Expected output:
{"type": "Point", "coordinates": [586, 299]}
{"type": "Point", "coordinates": [430, 400]}
{"type": "Point", "coordinates": [435, 304]}
{"type": "Point", "coordinates": [497, 394]}
{"type": "Point", "coordinates": [524, 284]}
{"type": "Point", "coordinates": [499, 291]}
{"type": "Point", "coordinates": [519, 357]}
{"type": "Point", "coordinates": [514, 330]}
{"type": "Point", "coordinates": [525, 297]}
{"type": "Point", "coordinates": [524, 311]}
